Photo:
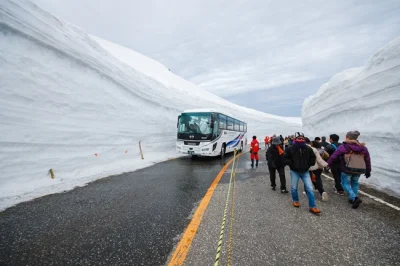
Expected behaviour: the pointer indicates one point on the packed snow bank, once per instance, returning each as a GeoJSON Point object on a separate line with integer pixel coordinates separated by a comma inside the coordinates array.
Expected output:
{"type": "Point", "coordinates": [366, 99]}
{"type": "Point", "coordinates": [80, 105]}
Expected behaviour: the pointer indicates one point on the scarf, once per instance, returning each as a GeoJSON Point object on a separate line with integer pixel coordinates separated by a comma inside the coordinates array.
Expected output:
{"type": "Point", "coordinates": [300, 143]}
{"type": "Point", "coordinates": [280, 151]}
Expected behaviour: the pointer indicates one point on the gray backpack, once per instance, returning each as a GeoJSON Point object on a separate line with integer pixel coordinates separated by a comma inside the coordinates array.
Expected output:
{"type": "Point", "coordinates": [354, 162]}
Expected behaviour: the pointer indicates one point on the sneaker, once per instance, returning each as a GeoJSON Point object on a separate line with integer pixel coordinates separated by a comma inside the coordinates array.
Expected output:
{"type": "Point", "coordinates": [284, 191]}
{"type": "Point", "coordinates": [296, 204]}
{"type": "Point", "coordinates": [273, 188]}
{"type": "Point", "coordinates": [341, 193]}
{"type": "Point", "coordinates": [315, 210]}
{"type": "Point", "coordinates": [324, 196]}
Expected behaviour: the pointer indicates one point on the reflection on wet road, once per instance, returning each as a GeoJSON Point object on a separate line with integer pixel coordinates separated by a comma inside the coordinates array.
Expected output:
{"type": "Point", "coordinates": [130, 219]}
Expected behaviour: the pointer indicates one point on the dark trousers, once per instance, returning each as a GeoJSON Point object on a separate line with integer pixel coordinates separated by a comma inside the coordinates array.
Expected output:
{"type": "Point", "coordinates": [318, 183]}
{"type": "Point", "coordinates": [272, 176]}
{"type": "Point", "coordinates": [337, 176]}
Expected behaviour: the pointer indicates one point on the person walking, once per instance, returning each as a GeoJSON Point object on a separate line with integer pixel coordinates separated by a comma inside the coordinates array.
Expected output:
{"type": "Point", "coordinates": [286, 142]}
{"type": "Point", "coordinates": [316, 170]}
{"type": "Point", "coordinates": [323, 142]}
{"type": "Point", "coordinates": [355, 161]}
{"type": "Point", "coordinates": [254, 147]}
{"type": "Point", "coordinates": [300, 158]}
{"type": "Point", "coordinates": [274, 156]}
{"type": "Point", "coordinates": [282, 141]}
{"type": "Point", "coordinates": [335, 167]}
{"type": "Point", "coordinates": [266, 141]}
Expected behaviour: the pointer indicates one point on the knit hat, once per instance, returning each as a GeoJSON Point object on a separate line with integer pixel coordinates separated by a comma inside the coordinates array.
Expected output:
{"type": "Point", "coordinates": [353, 135]}
{"type": "Point", "coordinates": [276, 141]}
{"type": "Point", "coordinates": [298, 134]}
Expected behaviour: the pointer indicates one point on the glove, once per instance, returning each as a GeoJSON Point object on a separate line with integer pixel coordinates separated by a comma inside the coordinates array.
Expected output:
{"type": "Point", "coordinates": [367, 174]}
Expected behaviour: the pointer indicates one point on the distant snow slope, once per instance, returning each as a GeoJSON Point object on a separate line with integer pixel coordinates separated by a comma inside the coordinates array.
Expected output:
{"type": "Point", "coordinates": [366, 99]}
{"type": "Point", "coordinates": [80, 105]}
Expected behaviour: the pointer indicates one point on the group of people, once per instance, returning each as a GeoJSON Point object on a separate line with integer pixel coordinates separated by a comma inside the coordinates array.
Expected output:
{"type": "Point", "coordinates": [306, 159]}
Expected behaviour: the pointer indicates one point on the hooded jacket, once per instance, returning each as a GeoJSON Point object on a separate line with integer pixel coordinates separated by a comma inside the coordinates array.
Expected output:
{"type": "Point", "coordinates": [355, 147]}
{"type": "Point", "coordinates": [299, 159]}
{"type": "Point", "coordinates": [254, 146]}
{"type": "Point", "coordinates": [319, 162]}
{"type": "Point", "coordinates": [274, 159]}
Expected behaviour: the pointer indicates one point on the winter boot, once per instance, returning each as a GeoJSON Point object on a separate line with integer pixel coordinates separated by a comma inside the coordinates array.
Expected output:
{"type": "Point", "coordinates": [252, 163]}
{"type": "Point", "coordinates": [257, 163]}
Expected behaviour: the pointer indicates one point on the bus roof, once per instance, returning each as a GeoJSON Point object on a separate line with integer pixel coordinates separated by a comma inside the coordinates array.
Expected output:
{"type": "Point", "coordinates": [203, 110]}
{"type": "Point", "coordinates": [208, 110]}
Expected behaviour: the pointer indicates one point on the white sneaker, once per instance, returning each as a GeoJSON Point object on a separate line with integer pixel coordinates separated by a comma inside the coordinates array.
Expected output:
{"type": "Point", "coordinates": [324, 196]}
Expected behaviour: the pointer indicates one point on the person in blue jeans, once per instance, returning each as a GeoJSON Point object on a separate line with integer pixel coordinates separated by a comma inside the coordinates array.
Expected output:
{"type": "Point", "coordinates": [350, 181]}
{"type": "Point", "coordinates": [300, 158]}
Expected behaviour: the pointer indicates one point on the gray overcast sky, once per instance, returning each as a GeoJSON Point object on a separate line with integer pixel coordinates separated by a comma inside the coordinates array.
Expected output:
{"type": "Point", "coordinates": [264, 54]}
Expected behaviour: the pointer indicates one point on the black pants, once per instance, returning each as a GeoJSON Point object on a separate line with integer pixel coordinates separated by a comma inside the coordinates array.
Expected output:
{"type": "Point", "coordinates": [272, 176]}
{"type": "Point", "coordinates": [318, 183]}
{"type": "Point", "coordinates": [337, 176]}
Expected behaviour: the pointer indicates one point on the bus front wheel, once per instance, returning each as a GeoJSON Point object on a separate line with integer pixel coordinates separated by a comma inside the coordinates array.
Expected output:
{"type": "Point", "coordinates": [223, 151]}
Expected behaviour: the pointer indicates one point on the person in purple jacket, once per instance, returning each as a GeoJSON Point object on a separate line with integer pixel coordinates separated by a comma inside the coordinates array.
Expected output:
{"type": "Point", "coordinates": [350, 181]}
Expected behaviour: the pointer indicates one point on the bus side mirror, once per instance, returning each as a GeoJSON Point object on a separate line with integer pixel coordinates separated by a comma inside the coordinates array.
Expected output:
{"type": "Point", "coordinates": [212, 120]}
{"type": "Point", "coordinates": [177, 123]}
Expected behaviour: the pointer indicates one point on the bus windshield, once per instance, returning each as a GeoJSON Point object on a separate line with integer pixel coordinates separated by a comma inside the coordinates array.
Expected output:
{"type": "Point", "coordinates": [199, 123]}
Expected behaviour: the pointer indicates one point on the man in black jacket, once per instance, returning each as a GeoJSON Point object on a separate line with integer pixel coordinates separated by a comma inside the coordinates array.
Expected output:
{"type": "Point", "coordinates": [274, 156]}
{"type": "Point", "coordinates": [323, 142]}
{"type": "Point", "coordinates": [300, 158]}
{"type": "Point", "coordinates": [335, 168]}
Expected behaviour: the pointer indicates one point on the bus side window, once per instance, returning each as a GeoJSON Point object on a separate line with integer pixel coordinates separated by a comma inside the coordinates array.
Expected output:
{"type": "Point", "coordinates": [222, 122]}
{"type": "Point", "coordinates": [236, 124]}
{"type": "Point", "coordinates": [230, 124]}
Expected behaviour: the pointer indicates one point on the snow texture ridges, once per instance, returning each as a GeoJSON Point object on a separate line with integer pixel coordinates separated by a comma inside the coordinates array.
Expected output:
{"type": "Point", "coordinates": [365, 99]}
{"type": "Point", "coordinates": [79, 105]}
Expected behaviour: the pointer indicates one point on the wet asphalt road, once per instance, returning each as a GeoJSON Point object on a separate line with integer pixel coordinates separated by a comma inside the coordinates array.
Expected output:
{"type": "Point", "coordinates": [137, 219]}
{"type": "Point", "coordinates": [130, 219]}
{"type": "Point", "coordinates": [268, 230]}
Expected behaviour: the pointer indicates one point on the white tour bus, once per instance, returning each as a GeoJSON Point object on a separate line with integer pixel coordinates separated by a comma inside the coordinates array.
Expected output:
{"type": "Point", "coordinates": [208, 132]}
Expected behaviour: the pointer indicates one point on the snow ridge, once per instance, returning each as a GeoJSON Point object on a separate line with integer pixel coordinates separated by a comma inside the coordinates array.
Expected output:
{"type": "Point", "coordinates": [79, 105]}
{"type": "Point", "coordinates": [367, 99]}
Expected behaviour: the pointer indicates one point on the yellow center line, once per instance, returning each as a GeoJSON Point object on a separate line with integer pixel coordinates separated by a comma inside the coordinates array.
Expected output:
{"type": "Point", "coordinates": [181, 251]}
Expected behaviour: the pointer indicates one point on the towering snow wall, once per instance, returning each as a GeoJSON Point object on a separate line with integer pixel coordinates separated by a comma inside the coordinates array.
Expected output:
{"type": "Point", "coordinates": [365, 99]}
{"type": "Point", "coordinates": [69, 103]}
